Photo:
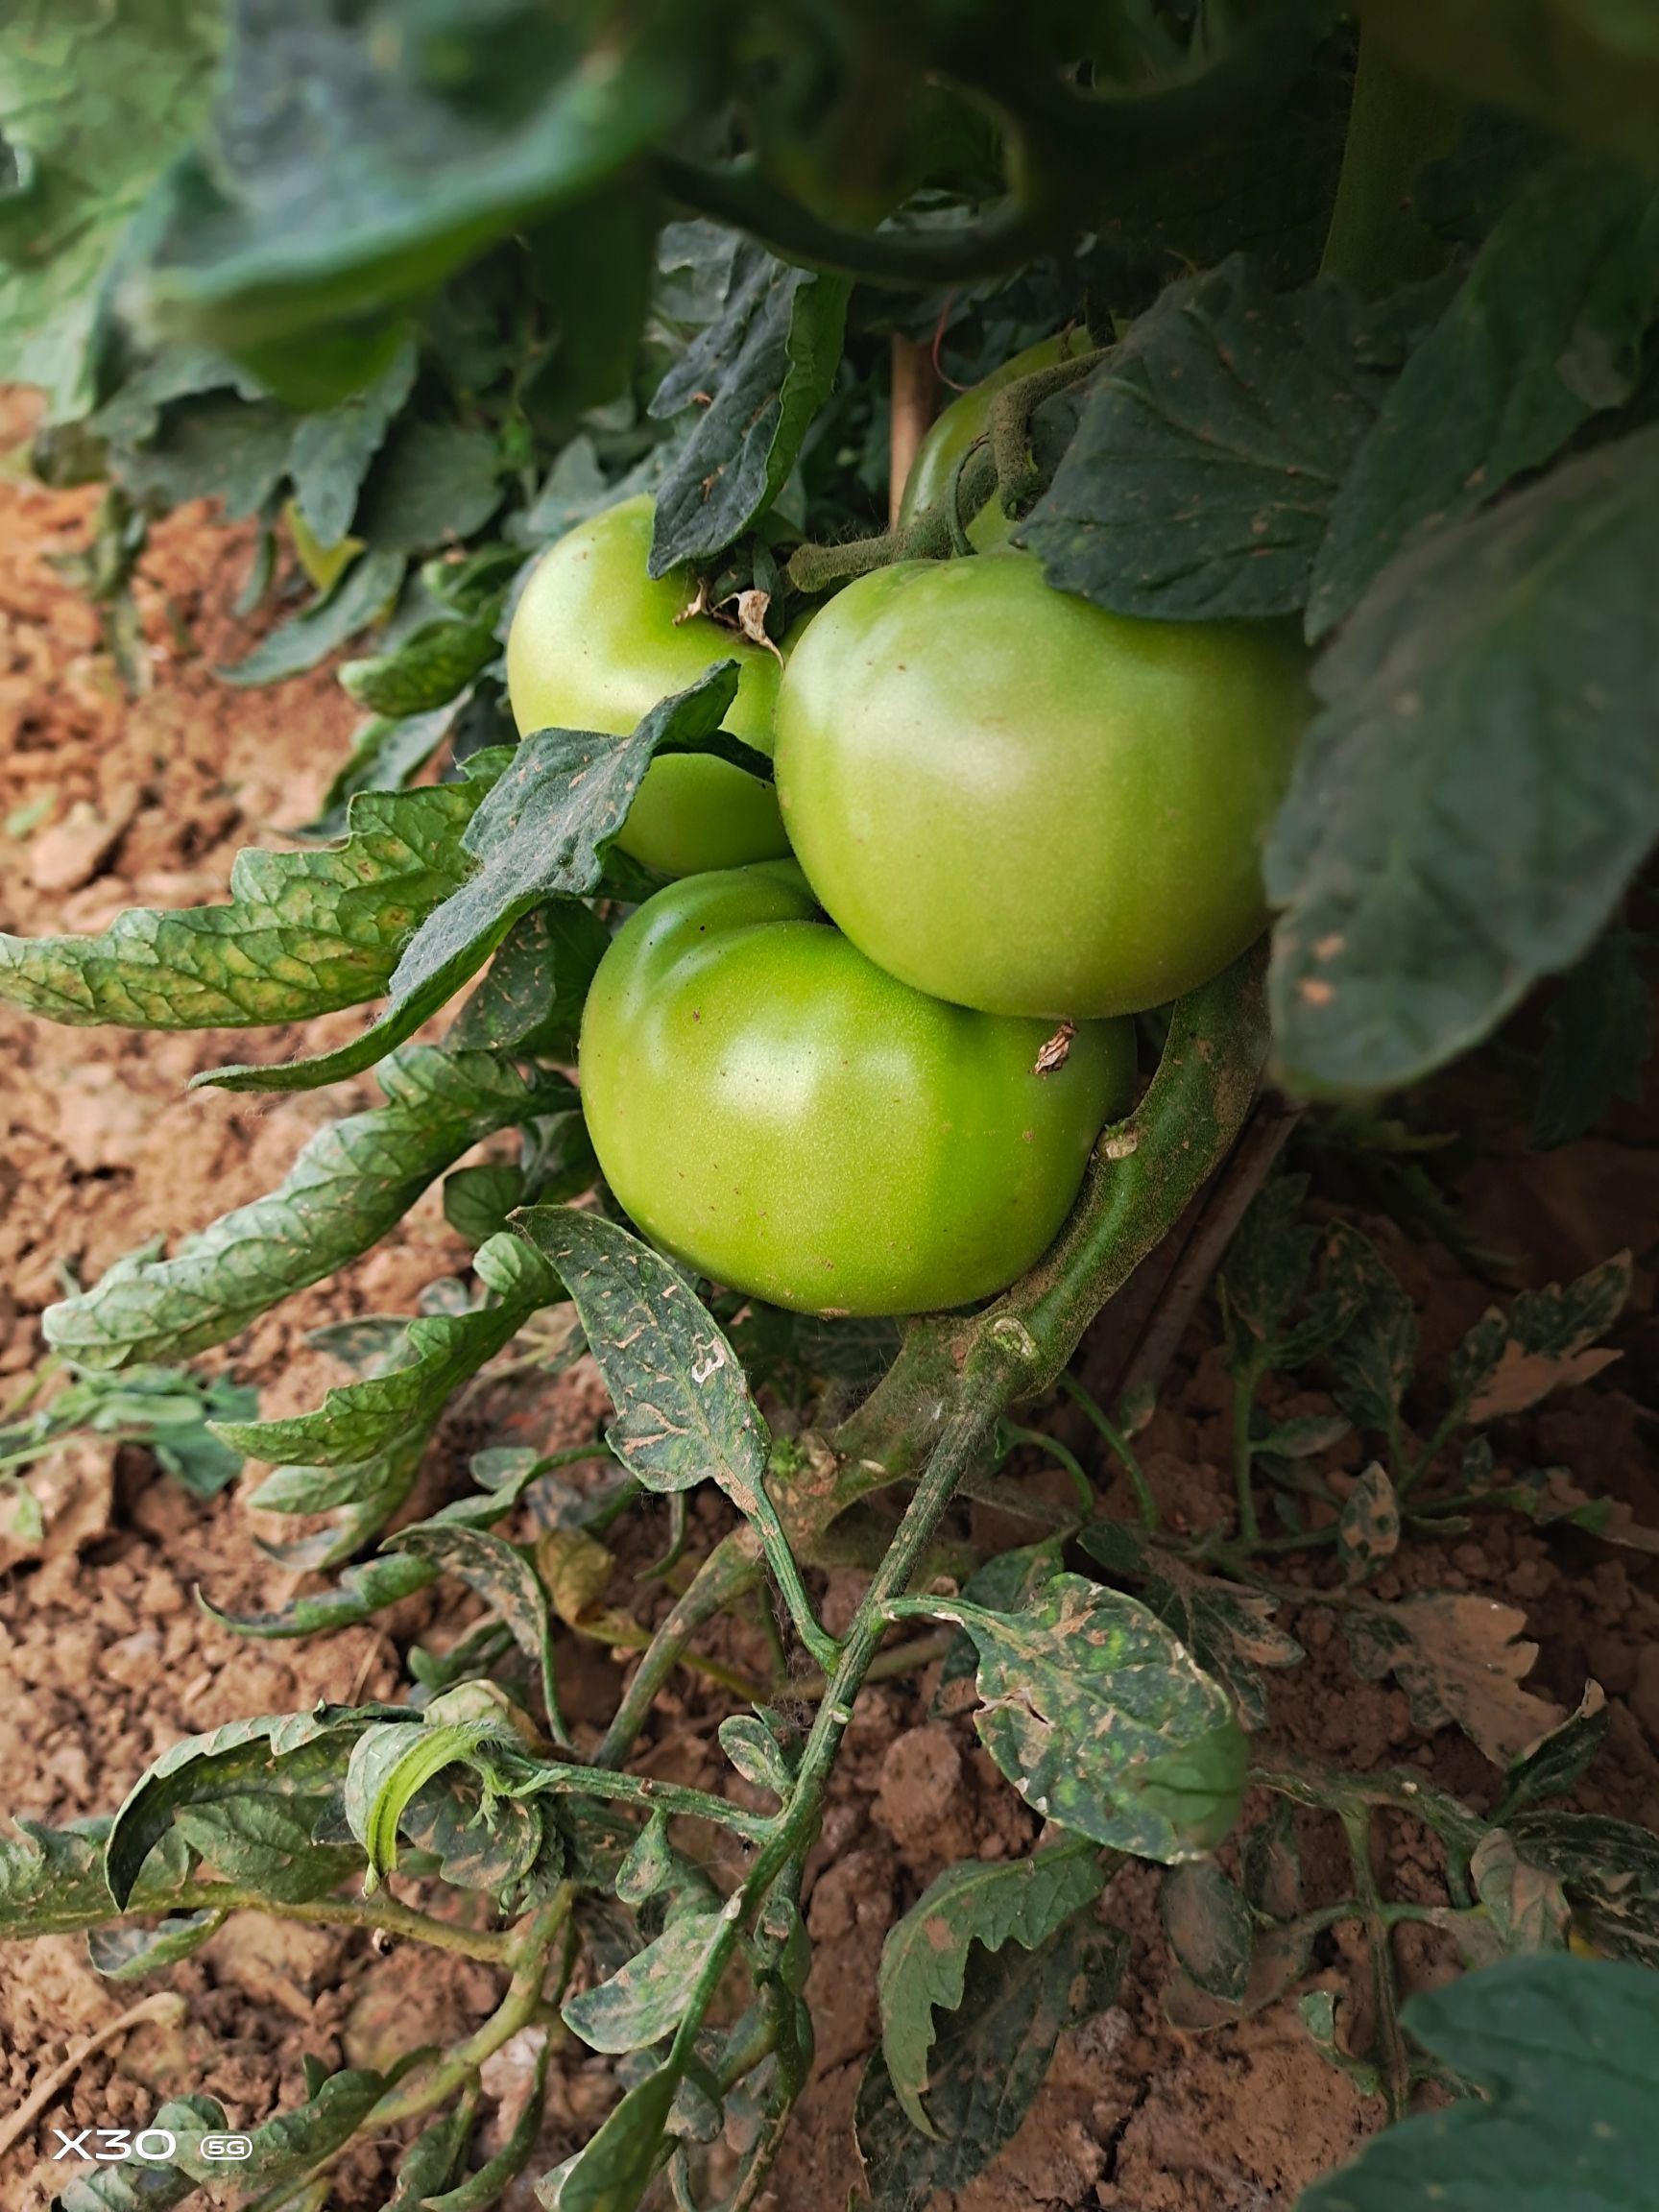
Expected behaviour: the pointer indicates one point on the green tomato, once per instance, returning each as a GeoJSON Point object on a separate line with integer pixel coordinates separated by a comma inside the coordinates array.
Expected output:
{"type": "Point", "coordinates": [1012, 798]}
{"type": "Point", "coordinates": [968, 419]}
{"type": "Point", "coordinates": [775, 1111]}
{"type": "Point", "coordinates": [594, 645]}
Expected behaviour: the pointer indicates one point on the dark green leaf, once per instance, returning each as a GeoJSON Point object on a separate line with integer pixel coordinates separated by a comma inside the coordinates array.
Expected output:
{"type": "Point", "coordinates": [684, 1410]}
{"type": "Point", "coordinates": [353, 1180]}
{"type": "Point", "coordinates": [613, 2169]}
{"type": "Point", "coordinates": [477, 1200]}
{"type": "Point", "coordinates": [1210, 1929]}
{"type": "Point", "coordinates": [1569, 2051]}
{"type": "Point", "coordinates": [478, 1845]}
{"type": "Point", "coordinates": [264, 1841]}
{"type": "Point", "coordinates": [360, 1591]}
{"type": "Point", "coordinates": [332, 450]}
{"type": "Point", "coordinates": [1609, 1870]}
{"type": "Point", "coordinates": [1457, 1658]}
{"type": "Point", "coordinates": [925, 1956]}
{"type": "Point", "coordinates": [594, 261]}
{"type": "Point", "coordinates": [433, 484]}
{"type": "Point", "coordinates": [424, 670]}
{"type": "Point", "coordinates": [133, 2188]}
{"type": "Point", "coordinates": [385, 755]}
{"type": "Point", "coordinates": [505, 1579]}
{"type": "Point", "coordinates": [1209, 449]}
{"type": "Point", "coordinates": [1489, 710]}
{"type": "Point", "coordinates": [1266, 1272]}
{"type": "Point", "coordinates": [1102, 1720]}
{"type": "Point", "coordinates": [534, 990]}
{"type": "Point", "coordinates": [304, 932]}
{"type": "Point", "coordinates": [362, 596]}
{"type": "Point", "coordinates": [359, 1419]}
{"type": "Point", "coordinates": [542, 832]}
{"type": "Point", "coordinates": [287, 2145]}
{"type": "Point", "coordinates": [1597, 1035]}
{"type": "Point", "coordinates": [1546, 331]}
{"type": "Point", "coordinates": [1376, 1357]}
{"type": "Point", "coordinates": [216, 445]}
{"type": "Point", "coordinates": [991, 2057]}
{"type": "Point", "coordinates": [765, 366]}
{"type": "Point", "coordinates": [647, 2000]}
{"type": "Point", "coordinates": [1552, 1767]}
{"type": "Point", "coordinates": [1272, 1866]}
{"type": "Point", "coordinates": [429, 2163]}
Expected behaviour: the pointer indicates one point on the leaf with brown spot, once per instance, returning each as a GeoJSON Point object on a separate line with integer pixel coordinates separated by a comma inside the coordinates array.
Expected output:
{"type": "Point", "coordinates": [646, 1998]}
{"type": "Point", "coordinates": [1368, 1531]}
{"type": "Point", "coordinates": [1545, 1342]}
{"type": "Point", "coordinates": [924, 1957]}
{"type": "Point", "coordinates": [1455, 1656]}
{"type": "Point", "coordinates": [1525, 1904]}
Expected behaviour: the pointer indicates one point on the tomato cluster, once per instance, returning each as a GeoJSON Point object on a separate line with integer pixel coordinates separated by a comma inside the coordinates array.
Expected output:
{"type": "Point", "coordinates": [839, 1081]}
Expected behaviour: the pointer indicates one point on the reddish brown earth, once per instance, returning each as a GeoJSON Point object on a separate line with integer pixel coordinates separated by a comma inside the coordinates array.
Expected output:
{"type": "Point", "coordinates": [104, 1659]}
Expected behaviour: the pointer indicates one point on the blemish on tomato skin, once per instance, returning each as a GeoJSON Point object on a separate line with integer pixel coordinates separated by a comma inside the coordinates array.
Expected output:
{"type": "Point", "coordinates": [1313, 992]}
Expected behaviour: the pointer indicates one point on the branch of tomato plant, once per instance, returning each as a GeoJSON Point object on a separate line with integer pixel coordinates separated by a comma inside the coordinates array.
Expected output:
{"type": "Point", "coordinates": [731, 1568]}
{"type": "Point", "coordinates": [381, 1916]}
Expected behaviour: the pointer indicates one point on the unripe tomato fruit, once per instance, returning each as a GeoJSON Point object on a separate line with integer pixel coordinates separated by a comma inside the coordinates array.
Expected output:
{"type": "Point", "coordinates": [593, 645]}
{"type": "Point", "coordinates": [772, 1109]}
{"type": "Point", "coordinates": [967, 418]}
{"type": "Point", "coordinates": [1012, 798]}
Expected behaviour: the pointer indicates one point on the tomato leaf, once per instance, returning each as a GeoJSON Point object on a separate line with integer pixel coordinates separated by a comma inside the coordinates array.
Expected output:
{"type": "Point", "coordinates": [646, 1999]}
{"type": "Point", "coordinates": [359, 596]}
{"type": "Point", "coordinates": [991, 2057]}
{"type": "Point", "coordinates": [1210, 1929]}
{"type": "Point", "coordinates": [1489, 710]}
{"type": "Point", "coordinates": [1568, 2050]}
{"type": "Point", "coordinates": [1101, 1719]}
{"type": "Point", "coordinates": [1552, 1767]}
{"type": "Point", "coordinates": [304, 932]}
{"type": "Point", "coordinates": [147, 2188]}
{"type": "Point", "coordinates": [129, 1953]}
{"type": "Point", "coordinates": [1457, 1659]}
{"type": "Point", "coordinates": [1609, 1870]}
{"type": "Point", "coordinates": [1546, 1341]}
{"type": "Point", "coordinates": [333, 449]}
{"type": "Point", "coordinates": [350, 1184]}
{"type": "Point", "coordinates": [533, 992]}
{"type": "Point", "coordinates": [925, 1955]}
{"type": "Point", "coordinates": [615, 2167]}
{"type": "Point", "coordinates": [422, 672]}
{"type": "Point", "coordinates": [505, 1579]}
{"type": "Point", "coordinates": [266, 1842]}
{"type": "Point", "coordinates": [287, 2147]}
{"type": "Point", "coordinates": [758, 375]}
{"type": "Point", "coordinates": [1546, 331]}
{"type": "Point", "coordinates": [52, 1881]}
{"type": "Point", "coordinates": [542, 832]}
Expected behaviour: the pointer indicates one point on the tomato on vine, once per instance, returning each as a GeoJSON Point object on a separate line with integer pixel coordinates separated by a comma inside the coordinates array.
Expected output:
{"type": "Point", "coordinates": [1012, 798]}
{"type": "Point", "coordinates": [595, 643]}
{"type": "Point", "coordinates": [773, 1108]}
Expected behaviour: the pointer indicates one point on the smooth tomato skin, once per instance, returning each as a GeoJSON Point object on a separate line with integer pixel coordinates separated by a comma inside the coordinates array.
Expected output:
{"type": "Point", "coordinates": [967, 418]}
{"type": "Point", "coordinates": [593, 645]}
{"type": "Point", "coordinates": [1012, 798]}
{"type": "Point", "coordinates": [775, 1111]}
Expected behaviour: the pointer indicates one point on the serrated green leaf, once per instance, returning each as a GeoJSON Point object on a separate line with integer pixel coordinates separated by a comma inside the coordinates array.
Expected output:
{"type": "Point", "coordinates": [95, 99]}
{"type": "Point", "coordinates": [292, 1754]}
{"type": "Point", "coordinates": [356, 1419]}
{"type": "Point", "coordinates": [1209, 448]}
{"type": "Point", "coordinates": [353, 1180]}
{"type": "Point", "coordinates": [1488, 710]}
{"type": "Point", "coordinates": [360, 597]}
{"type": "Point", "coordinates": [477, 1200]}
{"type": "Point", "coordinates": [1568, 2050]}
{"type": "Point", "coordinates": [506, 1580]}
{"type": "Point", "coordinates": [134, 2188]}
{"type": "Point", "coordinates": [993, 2056]}
{"type": "Point", "coordinates": [534, 990]}
{"type": "Point", "coordinates": [647, 2000]}
{"type": "Point", "coordinates": [1546, 331]}
{"type": "Point", "coordinates": [1102, 1720]}
{"type": "Point", "coordinates": [304, 932]}
{"type": "Point", "coordinates": [542, 832]}
{"type": "Point", "coordinates": [429, 667]}
{"type": "Point", "coordinates": [333, 449]}
{"type": "Point", "coordinates": [925, 1955]}
{"type": "Point", "coordinates": [763, 370]}
{"type": "Point", "coordinates": [1597, 1036]}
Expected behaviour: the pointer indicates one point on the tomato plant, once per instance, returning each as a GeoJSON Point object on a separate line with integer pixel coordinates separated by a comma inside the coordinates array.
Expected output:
{"type": "Point", "coordinates": [1268, 657]}
{"type": "Point", "coordinates": [790, 1119]}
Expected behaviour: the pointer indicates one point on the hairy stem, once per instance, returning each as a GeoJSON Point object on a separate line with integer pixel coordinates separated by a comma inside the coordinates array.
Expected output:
{"type": "Point", "coordinates": [1397, 122]}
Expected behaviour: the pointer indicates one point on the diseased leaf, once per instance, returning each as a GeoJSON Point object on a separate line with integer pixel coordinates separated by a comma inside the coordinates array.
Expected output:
{"type": "Point", "coordinates": [352, 1180]}
{"type": "Point", "coordinates": [615, 2167]}
{"type": "Point", "coordinates": [133, 2188]}
{"type": "Point", "coordinates": [506, 1580]}
{"type": "Point", "coordinates": [757, 1748]}
{"type": "Point", "coordinates": [359, 1592]}
{"type": "Point", "coordinates": [1266, 1276]}
{"type": "Point", "coordinates": [1210, 1929]}
{"type": "Point", "coordinates": [289, 2144]}
{"type": "Point", "coordinates": [359, 1419]}
{"type": "Point", "coordinates": [1211, 447]}
{"type": "Point", "coordinates": [1525, 1904]}
{"type": "Point", "coordinates": [1598, 1034]}
{"type": "Point", "coordinates": [304, 932]}
{"type": "Point", "coordinates": [1368, 1527]}
{"type": "Point", "coordinates": [534, 990]}
{"type": "Point", "coordinates": [1374, 1357]}
{"type": "Point", "coordinates": [1547, 330]}
{"type": "Point", "coordinates": [1488, 711]}
{"type": "Point", "coordinates": [129, 1953]}
{"type": "Point", "coordinates": [363, 595]}
{"type": "Point", "coordinates": [1101, 1719]}
{"type": "Point", "coordinates": [424, 670]}
{"type": "Point", "coordinates": [1229, 1629]}
{"type": "Point", "coordinates": [1457, 1659]}
{"type": "Point", "coordinates": [429, 2163]}
{"type": "Point", "coordinates": [542, 832]}
{"type": "Point", "coordinates": [1569, 2051]}
{"type": "Point", "coordinates": [1609, 1870]}
{"type": "Point", "coordinates": [478, 1843]}
{"type": "Point", "coordinates": [265, 1841]}
{"type": "Point", "coordinates": [392, 1761]}
{"type": "Point", "coordinates": [764, 367]}
{"type": "Point", "coordinates": [1545, 1342]}
{"type": "Point", "coordinates": [1552, 1767]}
{"type": "Point", "coordinates": [52, 1883]}
{"type": "Point", "coordinates": [991, 2057]}
{"type": "Point", "coordinates": [646, 1998]}
{"type": "Point", "coordinates": [925, 1955]}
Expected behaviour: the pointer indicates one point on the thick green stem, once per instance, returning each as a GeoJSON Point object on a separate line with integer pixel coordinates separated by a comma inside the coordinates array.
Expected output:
{"type": "Point", "coordinates": [1398, 121]}
{"type": "Point", "coordinates": [1388, 2050]}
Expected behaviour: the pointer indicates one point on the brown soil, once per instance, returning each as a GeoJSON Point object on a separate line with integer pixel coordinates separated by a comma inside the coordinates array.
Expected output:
{"type": "Point", "coordinates": [104, 1659]}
